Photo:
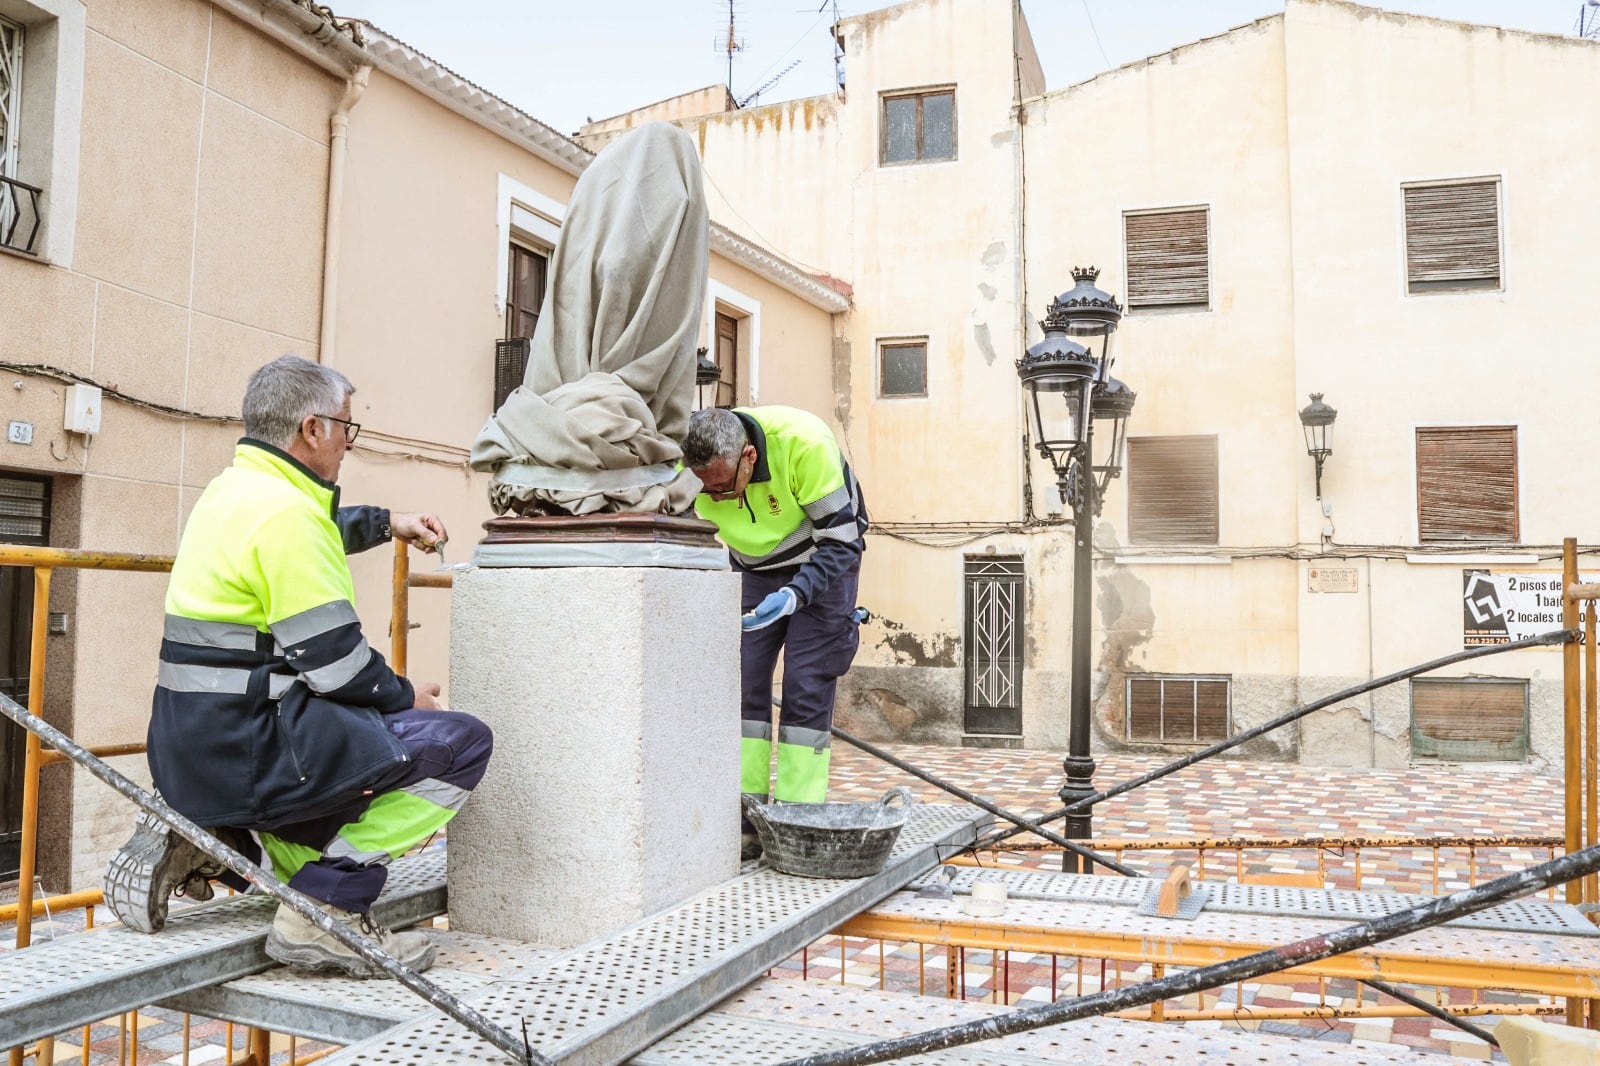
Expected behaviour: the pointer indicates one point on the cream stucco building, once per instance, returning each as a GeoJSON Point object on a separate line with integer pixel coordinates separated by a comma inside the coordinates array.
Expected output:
{"type": "Point", "coordinates": [216, 184]}
{"type": "Point", "coordinates": [1385, 209]}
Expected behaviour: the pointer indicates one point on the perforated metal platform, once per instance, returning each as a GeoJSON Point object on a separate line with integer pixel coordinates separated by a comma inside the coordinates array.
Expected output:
{"type": "Point", "coordinates": [605, 1001]}
{"type": "Point", "coordinates": [344, 1011]}
{"type": "Point", "coordinates": [1106, 927]}
{"type": "Point", "coordinates": [1523, 916]}
{"type": "Point", "coordinates": [779, 1019]}
{"type": "Point", "coordinates": [74, 980]}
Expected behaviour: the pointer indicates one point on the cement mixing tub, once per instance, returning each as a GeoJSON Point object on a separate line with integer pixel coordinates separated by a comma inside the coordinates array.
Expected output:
{"type": "Point", "coordinates": [830, 839]}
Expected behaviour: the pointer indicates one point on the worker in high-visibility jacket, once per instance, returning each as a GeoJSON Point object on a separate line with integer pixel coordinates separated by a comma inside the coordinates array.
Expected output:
{"type": "Point", "coordinates": [273, 720]}
{"type": "Point", "coordinates": [789, 509]}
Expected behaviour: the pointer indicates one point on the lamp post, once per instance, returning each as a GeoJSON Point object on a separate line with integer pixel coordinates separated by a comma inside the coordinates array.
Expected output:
{"type": "Point", "coordinates": [1065, 438]}
{"type": "Point", "coordinates": [1316, 418]}
{"type": "Point", "coordinates": [707, 377]}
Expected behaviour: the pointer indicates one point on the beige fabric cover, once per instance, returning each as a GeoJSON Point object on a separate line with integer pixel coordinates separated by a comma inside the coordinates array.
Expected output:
{"type": "Point", "coordinates": [596, 422]}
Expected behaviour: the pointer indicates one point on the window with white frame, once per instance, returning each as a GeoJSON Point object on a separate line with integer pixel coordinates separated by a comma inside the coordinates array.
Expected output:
{"type": "Point", "coordinates": [1452, 236]}
{"type": "Point", "coordinates": [41, 117]}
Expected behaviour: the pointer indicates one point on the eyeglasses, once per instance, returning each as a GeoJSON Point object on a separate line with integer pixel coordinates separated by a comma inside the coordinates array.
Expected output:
{"type": "Point", "coordinates": [732, 484]}
{"type": "Point", "coordinates": [352, 430]}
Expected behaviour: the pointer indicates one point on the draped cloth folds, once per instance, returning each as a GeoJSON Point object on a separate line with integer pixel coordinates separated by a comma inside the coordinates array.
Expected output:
{"type": "Point", "coordinates": [606, 396]}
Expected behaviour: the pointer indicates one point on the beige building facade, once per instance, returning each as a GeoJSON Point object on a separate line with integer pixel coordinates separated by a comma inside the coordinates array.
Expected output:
{"type": "Point", "coordinates": [226, 182]}
{"type": "Point", "coordinates": [1339, 200]}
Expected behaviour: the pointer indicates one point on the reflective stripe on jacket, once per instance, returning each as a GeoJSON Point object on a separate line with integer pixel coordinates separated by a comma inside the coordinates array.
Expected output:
{"type": "Point", "coordinates": [802, 508]}
{"type": "Point", "coordinates": [269, 699]}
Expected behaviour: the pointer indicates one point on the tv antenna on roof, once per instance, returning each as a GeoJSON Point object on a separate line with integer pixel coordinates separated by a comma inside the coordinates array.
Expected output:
{"type": "Point", "coordinates": [1589, 19]}
{"type": "Point", "coordinates": [838, 45]}
{"type": "Point", "coordinates": [731, 44]}
{"type": "Point", "coordinates": [769, 83]}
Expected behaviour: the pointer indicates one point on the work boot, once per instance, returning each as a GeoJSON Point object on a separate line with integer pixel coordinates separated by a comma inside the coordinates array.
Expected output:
{"type": "Point", "coordinates": [301, 946]}
{"type": "Point", "coordinates": [142, 874]}
{"type": "Point", "coordinates": [197, 886]}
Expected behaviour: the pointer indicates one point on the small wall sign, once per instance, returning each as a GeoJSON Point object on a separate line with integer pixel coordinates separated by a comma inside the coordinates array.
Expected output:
{"type": "Point", "coordinates": [1333, 579]}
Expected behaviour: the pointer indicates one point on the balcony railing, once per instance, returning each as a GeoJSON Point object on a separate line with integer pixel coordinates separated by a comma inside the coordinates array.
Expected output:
{"type": "Point", "coordinates": [19, 215]}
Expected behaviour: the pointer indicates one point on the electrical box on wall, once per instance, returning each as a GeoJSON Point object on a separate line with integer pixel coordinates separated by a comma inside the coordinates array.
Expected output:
{"type": "Point", "coordinates": [83, 409]}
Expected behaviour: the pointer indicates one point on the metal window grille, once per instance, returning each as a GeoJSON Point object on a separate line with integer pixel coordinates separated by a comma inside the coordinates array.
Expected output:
{"type": "Point", "coordinates": [903, 368]}
{"type": "Point", "coordinates": [510, 364]}
{"type": "Point", "coordinates": [10, 96]}
{"type": "Point", "coordinates": [1179, 709]}
{"type": "Point", "coordinates": [1452, 236]}
{"type": "Point", "coordinates": [1469, 719]}
{"type": "Point", "coordinates": [1467, 483]}
{"type": "Point", "coordinates": [993, 666]}
{"type": "Point", "coordinates": [528, 275]}
{"type": "Point", "coordinates": [918, 127]}
{"type": "Point", "coordinates": [1172, 490]}
{"type": "Point", "coordinates": [1169, 259]}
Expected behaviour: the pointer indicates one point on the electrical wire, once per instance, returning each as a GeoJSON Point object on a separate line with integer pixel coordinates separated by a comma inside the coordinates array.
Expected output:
{"type": "Point", "coordinates": [457, 456]}
{"type": "Point", "coordinates": [1096, 31]}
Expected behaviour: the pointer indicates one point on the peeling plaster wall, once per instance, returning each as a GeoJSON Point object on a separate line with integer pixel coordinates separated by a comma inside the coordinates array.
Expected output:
{"type": "Point", "coordinates": [1287, 131]}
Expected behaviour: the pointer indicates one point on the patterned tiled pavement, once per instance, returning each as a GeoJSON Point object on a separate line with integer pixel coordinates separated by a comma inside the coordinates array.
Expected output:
{"type": "Point", "coordinates": [1218, 799]}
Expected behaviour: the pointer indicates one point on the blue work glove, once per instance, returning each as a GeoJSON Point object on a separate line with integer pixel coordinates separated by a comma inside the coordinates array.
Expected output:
{"type": "Point", "coordinates": [778, 605]}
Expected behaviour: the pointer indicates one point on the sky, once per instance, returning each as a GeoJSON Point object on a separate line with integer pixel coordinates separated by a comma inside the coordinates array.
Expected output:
{"type": "Point", "coordinates": [565, 61]}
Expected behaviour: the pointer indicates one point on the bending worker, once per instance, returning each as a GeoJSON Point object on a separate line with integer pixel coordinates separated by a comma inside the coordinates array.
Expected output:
{"type": "Point", "coordinates": [790, 511]}
{"type": "Point", "coordinates": [273, 719]}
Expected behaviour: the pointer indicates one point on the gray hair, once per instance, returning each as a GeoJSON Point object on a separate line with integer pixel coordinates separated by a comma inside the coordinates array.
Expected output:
{"type": "Point", "coordinates": [714, 433]}
{"type": "Point", "coordinates": [282, 393]}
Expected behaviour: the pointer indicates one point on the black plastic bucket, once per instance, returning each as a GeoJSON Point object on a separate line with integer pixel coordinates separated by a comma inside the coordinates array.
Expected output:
{"type": "Point", "coordinates": [830, 839]}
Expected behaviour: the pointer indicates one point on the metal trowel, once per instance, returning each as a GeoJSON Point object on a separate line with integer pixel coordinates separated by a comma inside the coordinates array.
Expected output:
{"type": "Point", "coordinates": [937, 888]}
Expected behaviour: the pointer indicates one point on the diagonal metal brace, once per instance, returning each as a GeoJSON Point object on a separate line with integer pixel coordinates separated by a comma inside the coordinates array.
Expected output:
{"type": "Point", "coordinates": [1554, 636]}
{"type": "Point", "coordinates": [1432, 1008]}
{"type": "Point", "coordinates": [1021, 821]}
{"type": "Point", "coordinates": [516, 1047]}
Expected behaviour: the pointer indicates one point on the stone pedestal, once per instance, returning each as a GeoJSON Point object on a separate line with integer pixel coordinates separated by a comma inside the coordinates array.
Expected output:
{"type": "Point", "coordinates": [613, 692]}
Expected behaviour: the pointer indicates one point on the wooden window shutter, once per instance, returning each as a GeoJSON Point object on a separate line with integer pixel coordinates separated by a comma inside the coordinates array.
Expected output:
{"type": "Point", "coordinates": [1144, 708]}
{"type": "Point", "coordinates": [1467, 483]}
{"type": "Point", "coordinates": [1169, 260]}
{"type": "Point", "coordinates": [1453, 236]}
{"type": "Point", "coordinates": [1172, 490]}
{"type": "Point", "coordinates": [1470, 719]}
{"type": "Point", "coordinates": [1178, 710]}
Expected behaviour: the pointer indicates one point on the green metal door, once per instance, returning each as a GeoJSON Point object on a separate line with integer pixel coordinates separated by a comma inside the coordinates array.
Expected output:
{"type": "Point", "coordinates": [24, 519]}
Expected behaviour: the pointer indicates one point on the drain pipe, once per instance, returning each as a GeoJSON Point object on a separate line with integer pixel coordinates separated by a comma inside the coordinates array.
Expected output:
{"type": "Point", "coordinates": [338, 127]}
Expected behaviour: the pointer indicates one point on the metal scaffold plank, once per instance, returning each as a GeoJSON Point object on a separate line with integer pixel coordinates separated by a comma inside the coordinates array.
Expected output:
{"type": "Point", "coordinates": [84, 977]}
{"type": "Point", "coordinates": [1075, 916]}
{"type": "Point", "coordinates": [778, 1019]}
{"type": "Point", "coordinates": [609, 999]}
{"type": "Point", "coordinates": [342, 1010]}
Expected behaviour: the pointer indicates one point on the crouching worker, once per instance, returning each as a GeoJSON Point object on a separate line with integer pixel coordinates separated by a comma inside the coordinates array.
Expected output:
{"type": "Point", "coordinates": [273, 720]}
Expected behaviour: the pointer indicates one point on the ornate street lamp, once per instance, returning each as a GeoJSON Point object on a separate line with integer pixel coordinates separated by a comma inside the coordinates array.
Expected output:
{"type": "Point", "coordinates": [1316, 418]}
{"type": "Point", "coordinates": [1058, 365]}
{"type": "Point", "coordinates": [1113, 402]}
{"type": "Point", "coordinates": [707, 376]}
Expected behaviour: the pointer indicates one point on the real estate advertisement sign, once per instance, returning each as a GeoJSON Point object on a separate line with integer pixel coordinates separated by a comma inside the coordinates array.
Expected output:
{"type": "Point", "coordinates": [1500, 606]}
